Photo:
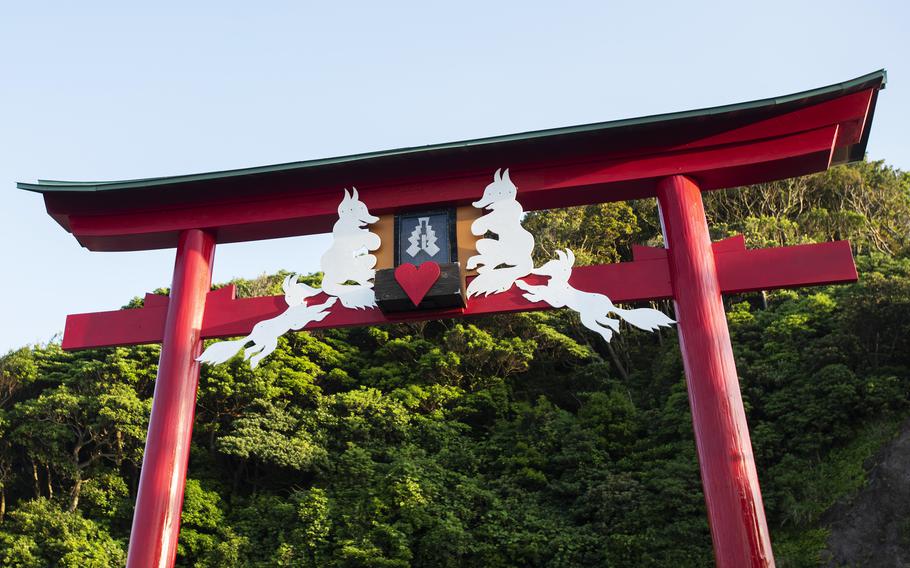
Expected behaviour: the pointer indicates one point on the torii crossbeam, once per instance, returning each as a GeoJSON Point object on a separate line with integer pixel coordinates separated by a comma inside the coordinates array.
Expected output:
{"type": "Point", "coordinates": [647, 277]}
{"type": "Point", "coordinates": [672, 157]}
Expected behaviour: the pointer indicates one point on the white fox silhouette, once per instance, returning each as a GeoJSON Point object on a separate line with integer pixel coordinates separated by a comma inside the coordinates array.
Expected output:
{"type": "Point", "coordinates": [264, 336]}
{"type": "Point", "coordinates": [500, 261]}
{"type": "Point", "coordinates": [346, 260]}
{"type": "Point", "coordinates": [592, 307]}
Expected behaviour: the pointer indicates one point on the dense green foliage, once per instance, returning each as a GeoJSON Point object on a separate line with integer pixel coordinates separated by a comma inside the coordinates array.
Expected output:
{"type": "Point", "coordinates": [507, 441]}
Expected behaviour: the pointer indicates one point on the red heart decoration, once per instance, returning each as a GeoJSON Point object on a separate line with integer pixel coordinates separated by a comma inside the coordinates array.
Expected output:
{"type": "Point", "coordinates": [416, 281]}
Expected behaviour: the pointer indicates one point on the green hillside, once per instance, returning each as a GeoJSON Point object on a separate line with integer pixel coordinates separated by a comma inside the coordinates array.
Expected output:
{"type": "Point", "coordinates": [519, 440]}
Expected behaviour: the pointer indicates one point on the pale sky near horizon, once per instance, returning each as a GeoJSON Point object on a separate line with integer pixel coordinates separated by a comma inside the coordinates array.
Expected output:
{"type": "Point", "coordinates": [113, 90]}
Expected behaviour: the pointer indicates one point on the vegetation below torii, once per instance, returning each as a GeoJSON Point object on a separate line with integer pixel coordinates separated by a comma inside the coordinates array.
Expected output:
{"type": "Point", "coordinates": [519, 440]}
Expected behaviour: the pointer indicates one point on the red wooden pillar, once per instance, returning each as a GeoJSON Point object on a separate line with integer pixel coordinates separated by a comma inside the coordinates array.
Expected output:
{"type": "Point", "coordinates": [159, 502]}
{"type": "Point", "coordinates": [735, 510]}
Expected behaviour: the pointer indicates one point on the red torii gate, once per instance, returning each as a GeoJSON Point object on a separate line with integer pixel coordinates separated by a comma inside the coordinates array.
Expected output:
{"type": "Point", "coordinates": [673, 157]}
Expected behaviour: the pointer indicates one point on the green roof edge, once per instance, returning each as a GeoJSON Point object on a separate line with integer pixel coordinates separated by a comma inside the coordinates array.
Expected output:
{"type": "Point", "coordinates": [44, 186]}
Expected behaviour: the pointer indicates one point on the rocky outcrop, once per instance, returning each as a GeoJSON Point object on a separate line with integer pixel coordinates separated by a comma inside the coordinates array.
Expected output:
{"type": "Point", "coordinates": [873, 528]}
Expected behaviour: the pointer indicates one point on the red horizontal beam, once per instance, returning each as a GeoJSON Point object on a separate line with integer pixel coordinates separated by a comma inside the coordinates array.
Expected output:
{"type": "Point", "coordinates": [540, 186]}
{"type": "Point", "coordinates": [795, 143]}
{"type": "Point", "coordinates": [645, 278]}
{"type": "Point", "coordinates": [848, 112]}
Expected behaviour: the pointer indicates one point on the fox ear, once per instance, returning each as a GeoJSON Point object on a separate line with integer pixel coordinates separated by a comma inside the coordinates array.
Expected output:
{"type": "Point", "coordinates": [347, 196]}
{"type": "Point", "coordinates": [354, 195]}
{"type": "Point", "coordinates": [561, 255]}
{"type": "Point", "coordinates": [571, 256]}
{"type": "Point", "coordinates": [505, 176]}
{"type": "Point", "coordinates": [498, 175]}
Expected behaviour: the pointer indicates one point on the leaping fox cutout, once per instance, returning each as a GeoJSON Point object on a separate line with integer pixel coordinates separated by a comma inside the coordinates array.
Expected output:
{"type": "Point", "coordinates": [593, 308]}
{"type": "Point", "coordinates": [347, 260]}
{"type": "Point", "coordinates": [264, 337]}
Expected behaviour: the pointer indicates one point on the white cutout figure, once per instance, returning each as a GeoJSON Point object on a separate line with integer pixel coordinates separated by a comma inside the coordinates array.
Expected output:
{"type": "Point", "coordinates": [264, 336]}
{"type": "Point", "coordinates": [348, 259]}
{"type": "Point", "coordinates": [423, 238]}
{"type": "Point", "coordinates": [500, 262]}
{"type": "Point", "coordinates": [592, 307]}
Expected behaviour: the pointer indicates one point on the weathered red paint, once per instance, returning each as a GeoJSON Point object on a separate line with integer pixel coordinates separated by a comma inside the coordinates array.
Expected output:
{"type": "Point", "coordinates": [646, 278]}
{"type": "Point", "coordinates": [156, 520]}
{"type": "Point", "coordinates": [735, 510]}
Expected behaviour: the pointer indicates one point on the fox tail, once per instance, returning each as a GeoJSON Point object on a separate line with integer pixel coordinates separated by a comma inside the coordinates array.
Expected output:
{"type": "Point", "coordinates": [647, 319]}
{"type": "Point", "coordinates": [355, 297]}
{"type": "Point", "coordinates": [221, 351]}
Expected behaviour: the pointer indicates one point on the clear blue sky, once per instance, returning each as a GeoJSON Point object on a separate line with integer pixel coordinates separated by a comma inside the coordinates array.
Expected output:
{"type": "Point", "coordinates": [104, 90]}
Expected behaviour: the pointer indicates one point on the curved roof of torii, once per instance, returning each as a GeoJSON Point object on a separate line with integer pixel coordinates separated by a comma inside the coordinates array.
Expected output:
{"type": "Point", "coordinates": [722, 146]}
